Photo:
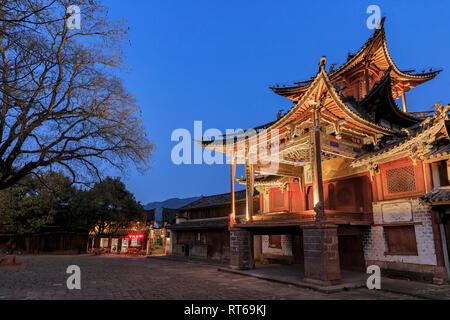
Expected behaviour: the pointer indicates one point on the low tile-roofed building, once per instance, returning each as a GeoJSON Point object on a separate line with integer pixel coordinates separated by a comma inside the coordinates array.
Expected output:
{"type": "Point", "coordinates": [168, 215]}
{"type": "Point", "coordinates": [202, 228]}
{"type": "Point", "coordinates": [199, 224]}
{"type": "Point", "coordinates": [438, 196]}
{"type": "Point", "coordinates": [215, 200]}
{"type": "Point", "coordinates": [438, 152]}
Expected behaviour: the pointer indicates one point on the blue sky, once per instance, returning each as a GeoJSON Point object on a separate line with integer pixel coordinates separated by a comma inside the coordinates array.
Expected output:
{"type": "Point", "coordinates": [214, 61]}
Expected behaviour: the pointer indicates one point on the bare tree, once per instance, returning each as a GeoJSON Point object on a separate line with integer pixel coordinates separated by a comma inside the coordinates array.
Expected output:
{"type": "Point", "coordinates": [62, 103]}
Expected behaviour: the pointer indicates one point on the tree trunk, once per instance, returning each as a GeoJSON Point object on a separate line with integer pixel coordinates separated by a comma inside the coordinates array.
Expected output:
{"type": "Point", "coordinates": [42, 245]}
{"type": "Point", "coordinates": [27, 244]}
{"type": "Point", "coordinates": [61, 242]}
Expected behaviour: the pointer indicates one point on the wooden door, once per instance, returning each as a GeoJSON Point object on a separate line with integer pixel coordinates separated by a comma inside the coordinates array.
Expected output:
{"type": "Point", "coordinates": [351, 253]}
{"type": "Point", "coordinates": [447, 233]}
{"type": "Point", "coordinates": [297, 249]}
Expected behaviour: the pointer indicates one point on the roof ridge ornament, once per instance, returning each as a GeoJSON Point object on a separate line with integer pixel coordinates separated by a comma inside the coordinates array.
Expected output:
{"type": "Point", "coordinates": [381, 24]}
{"type": "Point", "coordinates": [323, 62]}
{"type": "Point", "coordinates": [441, 112]}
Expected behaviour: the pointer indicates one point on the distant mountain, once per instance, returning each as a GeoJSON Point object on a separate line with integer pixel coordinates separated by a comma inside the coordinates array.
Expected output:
{"type": "Point", "coordinates": [173, 203]}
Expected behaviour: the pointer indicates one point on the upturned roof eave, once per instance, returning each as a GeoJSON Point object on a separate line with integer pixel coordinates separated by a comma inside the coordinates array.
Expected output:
{"type": "Point", "coordinates": [379, 38]}
{"type": "Point", "coordinates": [219, 145]}
{"type": "Point", "coordinates": [401, 147]}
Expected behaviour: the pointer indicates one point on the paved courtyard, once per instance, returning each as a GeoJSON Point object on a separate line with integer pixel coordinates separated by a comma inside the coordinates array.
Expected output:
{"type": "Point", "coordinates": [109, 277]}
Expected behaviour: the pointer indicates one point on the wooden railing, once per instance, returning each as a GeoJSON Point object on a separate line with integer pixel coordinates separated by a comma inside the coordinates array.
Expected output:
{"type": "Point", "coordinates": [343, 217]}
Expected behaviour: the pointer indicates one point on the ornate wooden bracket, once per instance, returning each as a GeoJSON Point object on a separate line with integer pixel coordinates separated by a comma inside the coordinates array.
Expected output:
{"type": "Point", "coordinates": [337, 128]}
{"type": "Point", "coordinates": [374, 169]}
{"type": "Point", "coordinates": [416, 155]}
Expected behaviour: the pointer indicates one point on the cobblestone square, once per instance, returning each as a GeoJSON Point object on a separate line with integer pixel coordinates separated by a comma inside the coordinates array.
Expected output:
{"type": "Point", "coordinates": [139, 278]}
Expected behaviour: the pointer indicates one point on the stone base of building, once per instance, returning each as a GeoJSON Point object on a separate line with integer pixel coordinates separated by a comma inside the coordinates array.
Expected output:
{"type": "Point", "coordinates": [321, 254]}
{"type": "Point", "coordinates": [412, 271]}
{"type": "Point", "coordinates": [241, 250]}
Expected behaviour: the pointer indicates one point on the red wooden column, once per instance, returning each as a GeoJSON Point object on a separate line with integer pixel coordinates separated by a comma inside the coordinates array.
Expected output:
{"type": "Point", "coordinates": [249, 176]}
{"type": "Point", "coordinates": [316, 163]}
{"type": "Point", "coordinates": [320, 239]}
{"type": "Point", "coordinates": [405, 107]}
{"type": "Point", "coordinates": [241, 241]}
{"type": "Point", "coordinates": [366, 78]}
{"type": "Point", "coordinates": [233, 196]}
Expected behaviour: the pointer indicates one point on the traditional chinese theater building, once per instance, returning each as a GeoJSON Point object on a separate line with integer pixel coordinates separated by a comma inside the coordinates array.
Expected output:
{"type": "Point", "coordinates": [341, 176]}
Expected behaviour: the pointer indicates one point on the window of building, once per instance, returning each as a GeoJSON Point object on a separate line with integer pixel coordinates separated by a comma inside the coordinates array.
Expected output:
{"type": "Point", "coordinates": [277, 199]}
{"type": "Point", "coordinates": [401, 240]}
{"type": "Point", "coordinates": [124, 244]}
{"type": "Point", "coordinates": [275, 241]}
{"type": "Point", "coordinates": [104, 242]}
{"type": "Point", "coordinates": [201, 238]}
{"type": "Point", "coordinates": [401, 180]}
{"type": "Point", "coordinates": [309, 199]}
{"type": "Point", "coordinates": [266, 203]}
{"type": "Point", "coordinates": [331, 196]}
{"type": "Point", "coordinates": [347, 193]}
{"type": "Point", "coordinates": [134, 242]}
{"type": "Point", "coordinates": [439, 174]}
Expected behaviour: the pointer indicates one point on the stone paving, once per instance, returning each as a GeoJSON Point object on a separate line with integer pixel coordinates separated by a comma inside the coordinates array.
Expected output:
{"type": "Point", "coordinates": [130, 278]}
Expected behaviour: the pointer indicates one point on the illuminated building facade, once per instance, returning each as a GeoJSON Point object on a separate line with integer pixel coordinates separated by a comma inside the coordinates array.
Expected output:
{"type": "Point", "coordinates": [342, 175]}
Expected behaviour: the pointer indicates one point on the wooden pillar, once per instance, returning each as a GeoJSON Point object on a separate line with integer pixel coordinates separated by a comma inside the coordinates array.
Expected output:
{"type": "Point", "coordinates": [405, 107]}
{"type": "Point", "coordinates": [316, 165]}
{"type": "Point", "coordinates": [233, 195]}
{"type": "Point", "coordinates": [257, 239]}
{"type": "Point", "coordinates": [320, 240]}
{"type": "Point", "coordinates": [367, 79]}
{"type": "Point", "coordinates": [148, 248]}
{"type": "Point", "coordinates": [249, 176]}
{"type": "Point", "coordinates": [241, 249]}
{"type": "Point", "coordinates": [321, 251]}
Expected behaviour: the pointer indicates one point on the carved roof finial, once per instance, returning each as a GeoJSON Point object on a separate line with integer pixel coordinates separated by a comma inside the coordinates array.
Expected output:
{"type": "Point", "coordinates": [323, 62]}
{"type": "Point", "coordinates": [280, 114]}
{"type": "Point", "coordinates": [381, 24]}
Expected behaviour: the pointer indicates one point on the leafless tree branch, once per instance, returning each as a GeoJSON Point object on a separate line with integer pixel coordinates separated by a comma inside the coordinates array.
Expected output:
{"type": "Point", "coordinates": [62, 104]}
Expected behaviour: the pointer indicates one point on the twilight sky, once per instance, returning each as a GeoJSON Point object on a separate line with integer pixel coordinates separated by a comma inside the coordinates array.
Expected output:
{"type": "Point", "coordinates": [213, 61]}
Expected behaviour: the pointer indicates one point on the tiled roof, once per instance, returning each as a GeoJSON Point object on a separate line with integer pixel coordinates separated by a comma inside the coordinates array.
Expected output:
{"type": "Point", "coordinates": [169, 215]}
{"type": "Point", "coordinates": [441, 194]}
{"type": "Point", "coordinates": [196, 224]}
{"type": "Point", "coordinates": [124, 231]}
{"type": "Point", "coordinates": [380, 97]}
{"type": "Point", "coordinates": [214, 200]}
{"type": "Point", "coordinates": [418, 132]}
{"type": "Point", "coordinates": [267, 180]}
{"type": "Point", "coordinates": [437, 152]}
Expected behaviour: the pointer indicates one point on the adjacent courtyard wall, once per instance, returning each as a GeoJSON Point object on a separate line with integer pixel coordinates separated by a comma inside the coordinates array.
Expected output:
{"type": "Point", "coordinates": [396, 212]}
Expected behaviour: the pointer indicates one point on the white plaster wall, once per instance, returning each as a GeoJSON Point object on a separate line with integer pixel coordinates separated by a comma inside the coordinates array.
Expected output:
{"type": "Point", "coordinates": [286, 246]}
{"type": "Point", "coordinates": [375, 244]}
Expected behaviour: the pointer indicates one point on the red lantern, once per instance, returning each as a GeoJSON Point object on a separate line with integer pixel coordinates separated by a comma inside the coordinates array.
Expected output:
{"type": "Point", "coordinates": [135, 236]}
